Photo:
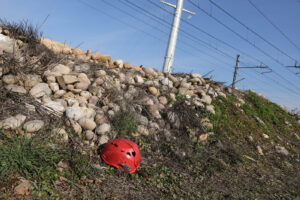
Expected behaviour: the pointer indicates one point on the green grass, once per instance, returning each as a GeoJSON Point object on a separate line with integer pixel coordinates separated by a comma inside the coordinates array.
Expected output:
{"type": "Point", "coordinates": [33, 158]}
{"type": "Point", "coordinates": [124, 123]}
{"type": "Point", "coordinates": [29, 157]}
{"type": "Point", "coordinates": [36, 160]}
{"type": "Point", "coordinates": [271, 114]}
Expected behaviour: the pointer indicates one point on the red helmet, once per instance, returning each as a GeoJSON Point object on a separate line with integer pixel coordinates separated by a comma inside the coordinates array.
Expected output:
{"type": "Point", "coordinates": [122, 153]}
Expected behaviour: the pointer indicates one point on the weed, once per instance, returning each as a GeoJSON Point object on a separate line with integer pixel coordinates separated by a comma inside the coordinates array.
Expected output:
{"type": "Point", "coordinates": [124, 123]}
{"type": "Point", "coordinates": [32, 158]}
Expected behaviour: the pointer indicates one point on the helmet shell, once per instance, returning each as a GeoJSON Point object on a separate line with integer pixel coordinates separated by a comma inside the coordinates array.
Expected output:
{"type": "Point", "coordinates": [122, 153]}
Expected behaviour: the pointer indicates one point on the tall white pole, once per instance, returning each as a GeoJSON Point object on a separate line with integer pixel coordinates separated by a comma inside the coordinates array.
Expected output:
{"type": "Point", "coordinates": [169, 58]}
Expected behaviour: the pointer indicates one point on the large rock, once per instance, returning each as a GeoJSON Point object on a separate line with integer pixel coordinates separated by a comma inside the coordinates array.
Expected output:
{"type": "Point", "coordinates": [61, 134]}
{"type": "Point", "coordinates": [154, 91]}
{"type": "Point", "coordinates": [150, 72]}
{"type": "Point", "coordinates": [58, 70]}
{"type": "Point", "coordinates": [55, 106]}
{"type": "Point", "coordinates": [211, 108]}
{"type": "Point", "coordinates": [31, 80]}
{"type": "Point", "coordinates": [74, 113]}
{"type": "Point", "coordinates": [6, 44]}
{"type": "Point", "coordinates": [40, 90]}
{"type": "Point", "coordinates": [77, 51]}
{"type": "Point", "coordinates": [33, 126]}
{"type": "Point", "coordinates": [206, 99]}
{"type": "Point", "coordinates": [153, 110]}
{"type": "Point", "coordinates": [13, 122]}
{"type": "Point", "coordinates": [119, 63]}
{"type": "Point", "coordinates": [100, 130]}
{"type": "Point", "coordinates": [96, 55]}
{"type": "Point", "coordinates": [69, 79]}
{"type": "Point", "coordinates": [87, 123]}
{"type": "Point", "coordinates": [9, 79]}
{"type": "Point", "coordinates": [82, 77]}
{"type": "Point", "coordinates": [56, 47]}
{"type": "Point", "coordinates": [103, 139]}
{"type": "Point", "coordinates": [89, 135]}
{"type": "Point", "coordinates": [167, 82]}
{"type": "Point", "coordinates": [23, 188]}
{"type": "Point", "coordinates": [16, 88]}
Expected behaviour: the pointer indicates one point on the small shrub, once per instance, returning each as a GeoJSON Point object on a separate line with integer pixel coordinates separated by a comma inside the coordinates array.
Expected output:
{"type": "Point", "coordinates": [124, 123]}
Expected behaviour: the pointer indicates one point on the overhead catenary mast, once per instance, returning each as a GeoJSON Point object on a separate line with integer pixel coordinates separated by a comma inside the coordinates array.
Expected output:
{"type": "Point", "coordinates": [169, 58]}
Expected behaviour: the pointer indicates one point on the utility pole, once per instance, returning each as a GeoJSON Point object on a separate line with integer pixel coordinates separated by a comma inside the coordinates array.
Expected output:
{"type": "Point", "coordinates": [169, 58]}
{"type": "Point", "coordinates": [235, 71]}
{"type": "Point", "coordinates": [237, 68]}
{"type": "Point", "coordinates": [295, 66]}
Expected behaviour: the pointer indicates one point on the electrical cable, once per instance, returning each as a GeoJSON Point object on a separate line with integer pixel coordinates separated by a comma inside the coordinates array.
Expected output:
{"type": "Point", "coordinates": [273, 24]}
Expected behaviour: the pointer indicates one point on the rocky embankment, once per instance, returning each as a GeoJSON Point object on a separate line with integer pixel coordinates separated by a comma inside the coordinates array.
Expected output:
{"type": "Point", "coordinates": [191, 130]}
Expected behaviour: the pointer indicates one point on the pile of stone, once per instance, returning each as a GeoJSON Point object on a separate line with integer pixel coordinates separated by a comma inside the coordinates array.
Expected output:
{"type": "Point", "coordinates": [89, 99]}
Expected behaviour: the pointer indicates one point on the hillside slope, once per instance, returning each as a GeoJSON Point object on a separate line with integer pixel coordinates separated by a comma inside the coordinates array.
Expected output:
{"type": "Point", "coordinates": [198, 138]}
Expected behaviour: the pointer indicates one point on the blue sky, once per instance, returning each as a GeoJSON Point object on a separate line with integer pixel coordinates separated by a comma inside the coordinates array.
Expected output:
{"type": "Point", "coordinates": [99, 25]}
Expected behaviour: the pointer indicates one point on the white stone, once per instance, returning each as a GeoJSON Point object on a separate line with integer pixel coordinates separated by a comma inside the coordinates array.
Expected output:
{"type": "Point", "coordinates": [138, 79]}
{"type": "Point", "coordinates": [61, 69]}
{"type": "Point", "coordinates": [46, 99]}
{"type": "Point", "coordinates": [6, 44]}
{"type": "Point", "coordinates": [150, 71]}
{"type": "Point", "coordinates": [40, 90]}
{"type": "Point", "coordinates": [31, 80]}
{"type": "Point", "coordinates": [103, 128]}
{"type": "Point", "coordinates": [86, 94]}
{"type": "Point", "coordinates": [51, 79]}
{"type": "Point", "coordinates": [87, 123]}
{"type": "Point", "coordinates": [206, 99]}
{"type": "Point", "coordinates": [55, 106]}
{"type": "Point", "coordinates": [89, 135]}
{"type": "Point", "coordinates": [167, 82]}
{"type": "Point", "coordinates": [33, 126]}
{"type": "Point", "coordinates": [74, 113]}
{"type": "Point", "coordinates": [88, 112]}
{"type": "Point", "coordinates": [9, 79]}
{"type": "Point", "coordinates": [16, 88]}
{"type": "Point", "coordinates": [119, 63]}
{"type": "Point", "coordinates": [82, 77]}
{"type": "Point", "coordinates": [69, 79]}
{"type": "Point", "coordinates": [61, 134]}
{"type": "Point", "coordinates": [13, 122]}
{"type": "Point", "coordinates": [103, 139]}
{"type": "Point", "coordinates": [211, 109]}
{"type": "Point", "coordinates": [195, 75]}
{"type": "Point", "coordinates": [59, 93]}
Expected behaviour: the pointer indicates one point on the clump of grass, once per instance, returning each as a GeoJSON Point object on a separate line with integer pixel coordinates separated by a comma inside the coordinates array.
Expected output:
{"type": "Point", "coordinates": [28, 157]}
{"type": "Point", "coordinates": [124, 123]}
{"type": "Point", "coordinates": [30, 56]}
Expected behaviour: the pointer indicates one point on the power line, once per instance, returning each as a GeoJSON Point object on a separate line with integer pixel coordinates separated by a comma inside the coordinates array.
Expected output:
{"type": "Point", "coordinates": [251, 30]}
{"type": "Point", "coordinates": [225, 44]}
{"type": "Point", "coordinates": [210, 35]}
{"type": "Point", "coordinates": [183, 31]}
{"type": "Point", "coordinates": [117, 19]}
{"type": "Point", "coordinates": [221, 42]}
{"type": "Point", "coordinates": [243, 38]}
{"type": "Point", "coordinates": [273, 24]}
{"type": "Point", "coordinates": [139, 29]}
{"type": "Point", "coordinates": [159, 20]}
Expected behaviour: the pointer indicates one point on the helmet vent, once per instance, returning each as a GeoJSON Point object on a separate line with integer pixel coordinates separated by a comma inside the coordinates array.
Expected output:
{"type": "Point", "coordinates": [128, 153]}
{"type": "Point", "coordinates": [133, 153]}
{"type": "Point", "coordinates": [116, 145]}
